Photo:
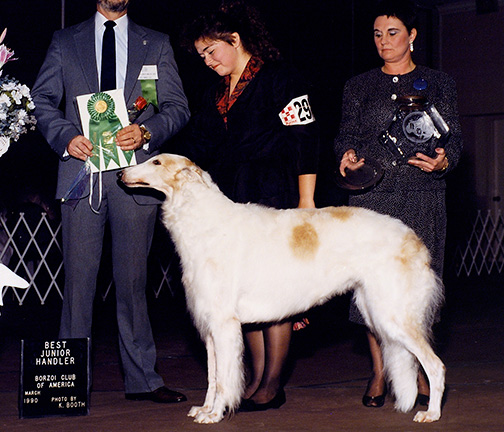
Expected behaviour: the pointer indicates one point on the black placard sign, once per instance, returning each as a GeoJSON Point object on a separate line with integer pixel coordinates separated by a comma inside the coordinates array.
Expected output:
{"type": "Point", "coordinates": [55, 378]}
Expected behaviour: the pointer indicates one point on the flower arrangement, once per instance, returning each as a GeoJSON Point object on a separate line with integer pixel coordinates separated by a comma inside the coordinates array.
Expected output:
{"type": "Point", "coordinates": [16, 104]}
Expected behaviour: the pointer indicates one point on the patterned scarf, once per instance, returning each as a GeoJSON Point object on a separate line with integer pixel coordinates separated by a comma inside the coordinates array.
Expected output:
{"type": "Point", "coordinates": [224, 101]}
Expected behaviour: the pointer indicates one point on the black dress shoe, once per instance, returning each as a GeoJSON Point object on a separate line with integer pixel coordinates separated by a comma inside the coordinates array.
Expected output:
{"type": "Point", "coordinates": [160, 395]}
{"type": "Point", "coordinates": [374, 401]}
{"type": "Point", "coordinates": [422, 399]}
{"type": "Point", "coordinates": [248, 405]}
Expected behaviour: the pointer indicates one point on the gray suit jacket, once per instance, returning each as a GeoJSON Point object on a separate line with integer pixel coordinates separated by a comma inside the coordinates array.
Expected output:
{"type": "Point", "coordinates": [69, 70]}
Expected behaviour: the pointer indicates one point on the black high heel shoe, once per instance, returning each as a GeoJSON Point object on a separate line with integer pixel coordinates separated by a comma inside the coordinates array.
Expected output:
{"type": "Point", "coordinates": [374, 401]}
{"type": "Point", "coordinates": [248, 405]}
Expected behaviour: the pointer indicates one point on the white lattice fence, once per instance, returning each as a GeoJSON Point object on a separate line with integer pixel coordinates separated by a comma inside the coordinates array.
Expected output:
{"type": "Point", "coordinates": [484, 250]}
{"type": "Point", "coordinates": [30, 244]}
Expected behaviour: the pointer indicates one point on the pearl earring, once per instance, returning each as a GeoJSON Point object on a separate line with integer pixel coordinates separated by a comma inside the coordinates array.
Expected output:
{"type": "Point", "coordinates": [411, 48]}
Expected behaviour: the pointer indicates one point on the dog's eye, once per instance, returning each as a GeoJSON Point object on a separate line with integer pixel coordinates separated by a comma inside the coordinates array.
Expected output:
{"type": "Point", "coordinates": [156, 162]}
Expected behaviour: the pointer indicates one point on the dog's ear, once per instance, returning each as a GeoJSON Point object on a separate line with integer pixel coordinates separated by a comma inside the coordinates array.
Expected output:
{"type": "Point", "coordinates": [195, 174]}
{"type": "Point", "coordinates": [190, 173]}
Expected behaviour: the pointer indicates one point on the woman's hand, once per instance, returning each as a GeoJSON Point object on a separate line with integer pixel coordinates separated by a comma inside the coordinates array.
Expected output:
{"type": "Point", "coordinates": [428, 164]}
{"type": "Point", "coordinates": [350, 161]}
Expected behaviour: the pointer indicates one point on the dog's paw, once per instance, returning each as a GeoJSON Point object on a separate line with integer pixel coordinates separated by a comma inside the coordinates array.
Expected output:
{"type": "Point", "coordinates": [426, 416]}
{"type": "Point", "coordinates": [209, 417]}
{"type": "Point", "coordinates": [196, 410]}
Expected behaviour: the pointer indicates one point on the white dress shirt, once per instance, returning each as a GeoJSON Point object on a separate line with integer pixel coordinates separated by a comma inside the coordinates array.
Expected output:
{"type": "Point", "coordinates": [121, 42]}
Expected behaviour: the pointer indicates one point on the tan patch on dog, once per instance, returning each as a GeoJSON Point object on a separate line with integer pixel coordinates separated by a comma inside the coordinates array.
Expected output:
{"type": "Point", "coordinates": [304, 241]}
{"type": "Point", "coordinates": [412, 246]}
{"type": "Point", "coordinates": [341, 213]}
{"type": "Point", "coordinates": [172, 163]}
{"type": "Point", "coordinates": [176, 170]}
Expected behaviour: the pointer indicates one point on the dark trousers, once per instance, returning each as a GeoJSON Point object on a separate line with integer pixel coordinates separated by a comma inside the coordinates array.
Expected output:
{"type": "Point", "coordinates": [132, 228]}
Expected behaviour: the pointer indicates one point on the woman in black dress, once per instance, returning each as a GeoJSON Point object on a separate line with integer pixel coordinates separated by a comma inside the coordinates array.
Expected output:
{"type": "Point", "coordinates": [413, 187]}
{"type": "Point", "coordinates": [255, 150]}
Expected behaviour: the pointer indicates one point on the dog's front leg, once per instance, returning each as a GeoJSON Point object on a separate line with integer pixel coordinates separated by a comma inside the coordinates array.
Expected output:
{"type": "Point", "coordinates": [212, 381]}
{"type": "Point", "coordinates": [228, 344]}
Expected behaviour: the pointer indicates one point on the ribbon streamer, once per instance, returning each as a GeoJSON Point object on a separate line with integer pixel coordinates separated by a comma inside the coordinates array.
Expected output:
{"type": "Point", "coordinates": [149, 91]}
{"type": "Point", "coordinates": [76, 189]}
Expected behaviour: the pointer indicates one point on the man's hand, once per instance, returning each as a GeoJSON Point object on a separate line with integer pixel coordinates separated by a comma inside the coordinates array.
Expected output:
{"type": "Point", "coordinates": [80, 147]}
{"type": "Point", "coordinates": [130, 138]}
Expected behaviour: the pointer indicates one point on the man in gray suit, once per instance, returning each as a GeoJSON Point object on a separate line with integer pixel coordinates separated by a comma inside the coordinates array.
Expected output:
{"type": "Point", "coordinates": [73, 67]}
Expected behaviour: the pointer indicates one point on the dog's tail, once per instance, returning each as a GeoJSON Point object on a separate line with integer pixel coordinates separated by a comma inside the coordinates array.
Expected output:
{"type": "Point", "coordinates": [401, 368]}
{"type": "Point", "coordinates": [405, 345]}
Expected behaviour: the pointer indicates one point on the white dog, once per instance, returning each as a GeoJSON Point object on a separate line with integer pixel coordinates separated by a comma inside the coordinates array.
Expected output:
{"type": "Point", "coordinates": [245, 263]}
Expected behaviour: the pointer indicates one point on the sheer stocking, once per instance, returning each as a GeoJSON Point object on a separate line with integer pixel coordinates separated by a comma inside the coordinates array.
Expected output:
{"type": "Point", "coordinates": [423, 383]}
{"type": "Point", "coordinates": [376, 385]}
{"type": "Point", "coordinates": [255, 343]}
{"type": "Point", "coordinates": [268, 360]}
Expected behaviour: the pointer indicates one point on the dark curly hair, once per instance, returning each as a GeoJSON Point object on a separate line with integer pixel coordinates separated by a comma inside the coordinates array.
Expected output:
{"type": "Point", "coordinates": [404, 10]}
{"type": "Point", "coordinates": [233, 16]}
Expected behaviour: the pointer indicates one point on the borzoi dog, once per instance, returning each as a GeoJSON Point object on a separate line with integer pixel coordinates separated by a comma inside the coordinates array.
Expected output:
{"type": "Point", "coordinates": [245, 263]}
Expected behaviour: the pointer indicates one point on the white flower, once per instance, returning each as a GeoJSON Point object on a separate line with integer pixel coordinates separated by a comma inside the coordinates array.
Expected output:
{"type": "Point", "coordinates": [16, 104]}
{"type": "Point", "coordinates": [17, 96]}
{"type": "Point", "coordinates": [9, 85]}
{"type": "Point", "coordinates": [5, 99]}
{"type": "Point", "coordinates": [4, 144]}
{"type": "Point", "coordinates": [25, 91]}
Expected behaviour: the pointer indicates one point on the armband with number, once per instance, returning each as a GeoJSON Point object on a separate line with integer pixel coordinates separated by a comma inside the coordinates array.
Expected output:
{"type": "Point", "coordinates": [297, 112]}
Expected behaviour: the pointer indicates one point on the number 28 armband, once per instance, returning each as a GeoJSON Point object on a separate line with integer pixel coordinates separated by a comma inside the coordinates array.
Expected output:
{"type": "Point", "coordinates": [297, 112]}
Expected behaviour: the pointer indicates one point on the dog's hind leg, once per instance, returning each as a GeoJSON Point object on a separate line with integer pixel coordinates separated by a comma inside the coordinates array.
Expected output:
{"type": "Point", "coordinates": [212, 381]}
{"type": "Point", "coordinates": [416, 343]}
{"type": "Point", "coordinates": [435, 371]}
{"type": "Point", "coordinates": [228, 345]}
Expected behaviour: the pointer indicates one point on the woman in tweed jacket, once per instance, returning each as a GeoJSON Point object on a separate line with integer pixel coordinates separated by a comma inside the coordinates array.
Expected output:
{"type": "Point", "coordinates": [412, 189]}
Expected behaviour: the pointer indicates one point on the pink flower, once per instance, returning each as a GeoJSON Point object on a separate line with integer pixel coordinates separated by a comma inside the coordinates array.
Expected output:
{"type": "Point", "coordinates": [5, 53]}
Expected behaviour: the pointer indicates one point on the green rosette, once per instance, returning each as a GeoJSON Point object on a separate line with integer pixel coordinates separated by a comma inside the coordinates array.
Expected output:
{"type": "Point", "coordinates": [103, 127]}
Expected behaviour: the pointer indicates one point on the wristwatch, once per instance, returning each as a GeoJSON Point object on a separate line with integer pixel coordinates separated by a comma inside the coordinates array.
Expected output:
{"type": "Point", "coordinates": [145, 133]}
